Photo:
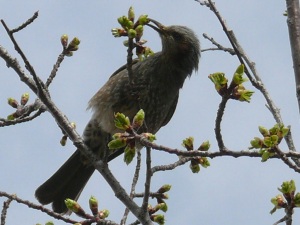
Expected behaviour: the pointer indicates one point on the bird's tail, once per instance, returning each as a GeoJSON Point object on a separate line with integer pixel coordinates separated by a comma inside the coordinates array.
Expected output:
{"type": "Point", "coordinates": [68, 182]}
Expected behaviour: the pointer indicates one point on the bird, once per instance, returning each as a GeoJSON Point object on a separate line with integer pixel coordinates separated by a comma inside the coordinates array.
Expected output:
{"type": "Point", "coordinates": [157, 83]}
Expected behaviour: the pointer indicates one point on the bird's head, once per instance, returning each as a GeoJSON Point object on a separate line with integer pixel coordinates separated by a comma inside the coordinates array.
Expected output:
{"type": "Point", "coordinates": [179, 43]}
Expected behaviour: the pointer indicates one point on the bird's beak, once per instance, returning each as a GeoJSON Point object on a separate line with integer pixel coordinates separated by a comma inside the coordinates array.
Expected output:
{"type": "Point", "coordinates": [161, 29]}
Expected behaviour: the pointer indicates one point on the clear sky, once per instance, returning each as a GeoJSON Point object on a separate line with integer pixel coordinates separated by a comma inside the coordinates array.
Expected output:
{"type": "Point", "coordinates": [230, 191]}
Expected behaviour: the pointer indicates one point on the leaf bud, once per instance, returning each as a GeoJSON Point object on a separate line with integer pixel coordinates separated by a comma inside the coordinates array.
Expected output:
{"type": "Point", "coordinates": [143, 19]}
{"type": "Point", "coordinates": [121, 121]}
{"type": "Point", "coordinates": [256, 143]}
{"type": "Point", "coordinates": [161, 206]}
{"type": "Point", "coordinates": [93, 203]}
{"type": "Point", "coordinates": [131, 14]}
{"type": "Point", "coordinates": [149, 136]}
{"type": "Point", "coordinates": [204, 146]}
{"type": "Point", "coordinates": [64, 40]}
{"type": "Point", "coordinates": [195, 168]}
{"type": "Point", "coordinates": [13, 102]}
{"type": "Point", "coordinates": [104, 213]}
{"type": "Point", "coordinates": [129, 154]}
{"type": "Point", "coordinates": [160, 219]}
{"type": "Point", "coordinates": [203, 161]}
{"type": "Point", "coordinates": [49, 223]}
{"type": "Point", "coordinates": [73, 46]}
{"type": "Point", "coordinates": [63, 140]}
{"type": "Point", "coordinates": [138, 119]}
{"type": "Point", "coordinates": [24, 98]}
{"type": "Point", "coordinates": [139, 31]}
{"type": "Point", "coordinates": [188, 143]}
{"type": "Point", "coordinates": [220, 82]}
{"type": "Point", "coordinates": [164, 188]}
{"type": "Point", "coordinates": [117, 143]}
{"type": "Point", "coordinates": [74, 207]}
{"type": "Point", "coordinates": [264, 131]}
{"type": "Point", "coordinates": [131, 33]}
{"type": "Point", "coordinates": [238, 75]}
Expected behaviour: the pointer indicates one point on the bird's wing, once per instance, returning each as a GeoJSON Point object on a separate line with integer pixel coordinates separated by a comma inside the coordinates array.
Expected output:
{"type": "Point", "coordinates": [171, 111]}
{"type": "Point", "coordinates": [124, 67]}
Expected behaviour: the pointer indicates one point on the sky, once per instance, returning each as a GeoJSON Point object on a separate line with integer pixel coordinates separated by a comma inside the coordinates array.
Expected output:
{"type": "Point", "coordinates": [230, 191]}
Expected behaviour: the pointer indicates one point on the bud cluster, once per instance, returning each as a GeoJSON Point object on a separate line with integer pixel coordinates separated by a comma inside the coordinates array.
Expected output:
{"type": "Point", "coordinates": [160, 195]}
{"type": "Point", "coordinates": [127, 138]}
{"type": "Point", "coordinates": [134, 31]}
{"type": "Point", "coordinates": [287, 198]}
{"type": "Point", "coordinates": [188, 143]}
{"type": "Point", "coordinates": [71, 47]}
{"type": "Point", "coordinates": [19, 106]}
{"type": "Point", "coordinates": [93, 203]}
{"type": "Point", "coordinates": [270, 140]}
{"type": "Point", "coordinates": [236, 89]}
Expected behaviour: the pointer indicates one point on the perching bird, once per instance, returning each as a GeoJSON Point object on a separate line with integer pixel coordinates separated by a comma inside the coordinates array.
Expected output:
{"type": "Point", "coordinates": [157, 81]}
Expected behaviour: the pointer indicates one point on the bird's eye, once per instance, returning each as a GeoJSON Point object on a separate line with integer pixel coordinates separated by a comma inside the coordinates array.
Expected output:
{"type": "Point", "coordinates": [177, 37]}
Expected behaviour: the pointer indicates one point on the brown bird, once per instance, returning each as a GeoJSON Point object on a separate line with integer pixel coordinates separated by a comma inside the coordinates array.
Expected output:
{"type": "Point", "coordinates": [157, 81]}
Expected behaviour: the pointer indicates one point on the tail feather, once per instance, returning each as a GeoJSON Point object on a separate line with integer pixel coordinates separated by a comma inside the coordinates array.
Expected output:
{"type": "Point", "coordinates": [67, 182]}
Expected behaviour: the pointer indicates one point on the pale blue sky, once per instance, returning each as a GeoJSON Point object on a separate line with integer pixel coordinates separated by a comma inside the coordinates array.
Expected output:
{"type": "Point", "coordinates": [231, 191]}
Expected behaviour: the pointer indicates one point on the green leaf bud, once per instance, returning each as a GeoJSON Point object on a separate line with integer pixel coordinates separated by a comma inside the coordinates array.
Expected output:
{"type": "Point", "coordinates": [104, 213]}
{"type": "Point", "coordinates": [264, 131]}
{"type": "Point", "coordinates": [238, 75]}
{"type": "Point", "coordinates": [160, 219]}
{"type": "Point", "coordinates": [64, 40]}
{"type": "Point", "coordinates": [24, 98]}
{"type": "Point", "coordinates": [195, 168]}
{"type": "Point", "coordinates": [117, 143]}
{"type": "Point", "coordinates": [297, 200]}
{"type": "Point", "coordinates": [139, 31]}
{"type": "Point", "coordinates": [138, 119]}
{"type": "Point", "coordinates": [149, 136]}
{"type": "Point", "coordinates": [188, 143]}
{"type": "Point", "coordinates": [73, 46]}
{"type": "Point", "coordinates": [204, 162]}
{"type": "Point", "coordinates": [121, 121]}
{"type": "Point", "coordinates": [256, 143]}
{"type": "Point", "coordinates": [74, 206]}
{"type": "Point", "coordinates": [164, 188]}
{"type": "Point", "coordinates": [220, 82]}
{"type": "Point", "coordinates": [129, 154]}
{"type": "Point", "coordinates": [131, 33]}
{"type": "Point", "coordinates": [49, 223]}
{"type": "Point", "coordinates": [143, 19]}
{"type": "Point", "coordinates": [131, 14]}
{"type": "Point", "coordinates": [63, 140]}
{"type": "Point", "coordinates": [204, 146]}
{"type": "Point", "coordinates": [13, 102]}
{"type": "Point", "coordinates": [93, 203]}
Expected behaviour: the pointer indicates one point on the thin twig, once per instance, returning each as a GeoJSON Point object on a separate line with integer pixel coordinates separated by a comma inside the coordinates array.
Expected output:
{"type": "Point", "coordinates": [55, 69]}
{"type": "Point", "coordinates": [29, 21]}
{"type": "Point", "coordinates": [219, 46]}
{"type": "Point", "coordinates": [147, 180]}
{"type": "Point", "coordinates": [39, 84]}
{"type": "Point", "coordinates": [37, 207]}
{"type": "Point", "coordinates": [133, 185]}
{"type": "Point", "coordinates": [4, 210]}
{"type": "Point", "coordinates": [171, 166]}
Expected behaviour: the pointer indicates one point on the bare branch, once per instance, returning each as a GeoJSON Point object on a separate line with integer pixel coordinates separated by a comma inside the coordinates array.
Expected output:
{"type": "Point", "coordinates": [219, 46]}
{"type": "Point", "coordinates": [28, 22]}
{"type": "Point", "coordinates": [4, 210]}
{"type": "Point", "coordinates": [293, 22]}
{"type": "Point", "coordinates": [133, 185]}
{"type": "Point", "coordinates": [31, 205]}
{"type": "Point", "coordinates": [147, 180]}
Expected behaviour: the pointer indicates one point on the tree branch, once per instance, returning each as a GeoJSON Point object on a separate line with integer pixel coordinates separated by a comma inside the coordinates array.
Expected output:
{"type": "Point", "coordinates": [293, 22]}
